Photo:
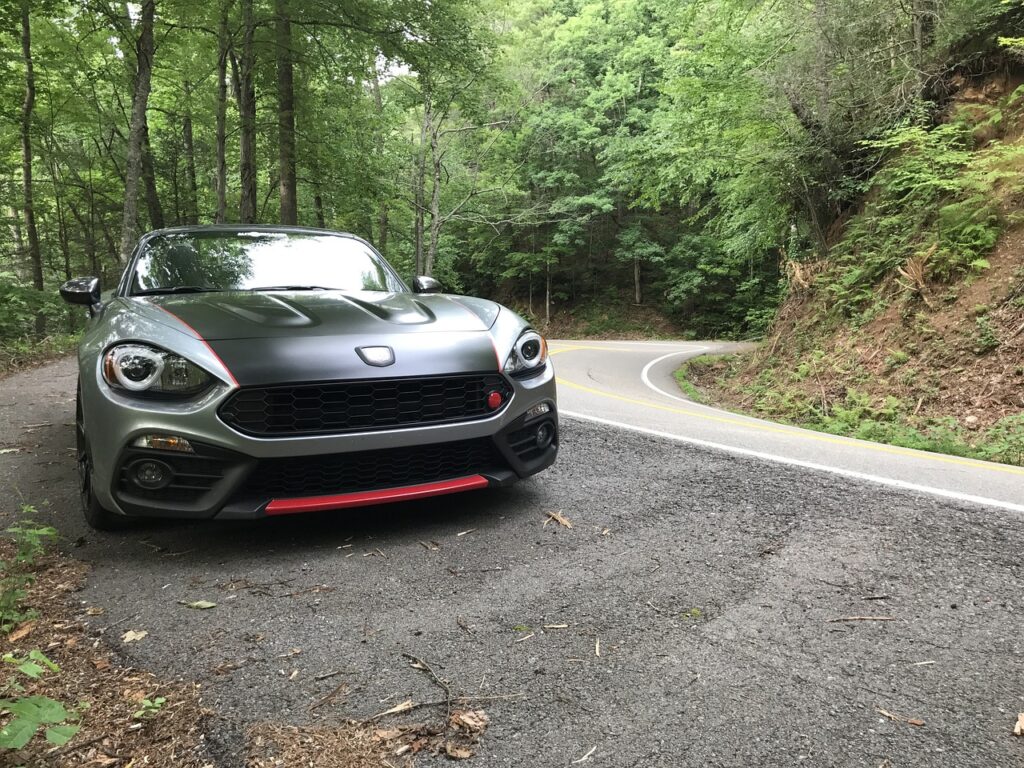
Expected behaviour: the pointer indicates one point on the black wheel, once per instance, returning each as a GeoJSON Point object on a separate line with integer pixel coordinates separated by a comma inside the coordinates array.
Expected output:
{"type": "Point", "coordinates": [98, 517]}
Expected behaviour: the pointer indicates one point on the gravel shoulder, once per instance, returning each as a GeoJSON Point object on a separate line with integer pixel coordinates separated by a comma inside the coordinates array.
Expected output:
{"type": "Point", "coordinates": [710, 586]}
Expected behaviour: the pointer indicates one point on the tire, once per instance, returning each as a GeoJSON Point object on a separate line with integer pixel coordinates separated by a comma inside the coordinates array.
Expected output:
{"type": "Point", "coordinates": [96, 515]}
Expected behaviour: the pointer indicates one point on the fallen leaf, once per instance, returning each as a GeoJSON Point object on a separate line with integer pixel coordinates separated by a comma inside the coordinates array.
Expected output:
{"type": "Point", "coordinates": [93, 610]}
{"type": "Point", "coordinates": [559, 518]}
{"type": "Point", "coordinates": [22, 631]}
{"type": "Point", "coordinates": [472, 721]}
{"type": "Point", "coordinates": [101, 663]}
{"type": "Point", "coordinates": [456, 752]}
{"type": "Point", "coordinates": [585, 757]}
{"type": "Point", "coordinates": [900, 718]}
{"type": "Point", "coordinates": [1018, 729]}
{"type": "Point", "coordinates": [405, 706]}
{"type": "Point", "coordinates": [199, 605]}
{"type": "Point", "coordinates": [132, 635]}
{"type": "Point", "coordinates": [387, 734]}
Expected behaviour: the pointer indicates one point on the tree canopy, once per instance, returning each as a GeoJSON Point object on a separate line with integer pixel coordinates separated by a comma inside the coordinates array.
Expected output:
{"type": "Point", "coordinates": [542, 152]}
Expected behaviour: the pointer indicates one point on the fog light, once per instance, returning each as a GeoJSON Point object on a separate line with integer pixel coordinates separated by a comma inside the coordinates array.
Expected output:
{"type": "Point", "coordinates": [545, 434]}
{"type": "Point", "coordinates": [163, 443]}
{"type": "Point", "coordinates": [494, 401]}
{"type": "Point", "coordinates": [151, 475]}
{"type": "Point", "coordinates": [538, 410]}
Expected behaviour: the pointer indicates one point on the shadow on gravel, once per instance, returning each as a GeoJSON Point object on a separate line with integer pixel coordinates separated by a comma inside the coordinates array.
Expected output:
{"type": "Point", "coordinates": [391, 524]}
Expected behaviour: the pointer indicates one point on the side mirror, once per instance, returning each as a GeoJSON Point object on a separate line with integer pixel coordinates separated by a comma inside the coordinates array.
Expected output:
{"type": "Point", "coordinates": [424, 284]}
{"type": "Point", "coordinates": [82, 290]}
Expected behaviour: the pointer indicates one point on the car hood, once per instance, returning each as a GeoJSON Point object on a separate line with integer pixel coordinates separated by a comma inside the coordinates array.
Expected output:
{"type": "Point", "coordinates": [290, 337]}
{"type": "Point", "coordinates": [248, 315]}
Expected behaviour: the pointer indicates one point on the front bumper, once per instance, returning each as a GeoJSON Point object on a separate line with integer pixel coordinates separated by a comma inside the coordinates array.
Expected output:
{"type": "Point", "coordinates": [236, 476]}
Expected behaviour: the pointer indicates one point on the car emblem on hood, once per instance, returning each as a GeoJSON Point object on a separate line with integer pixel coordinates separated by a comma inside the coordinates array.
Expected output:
{"type": "Point", "coordinates": [378, 356]}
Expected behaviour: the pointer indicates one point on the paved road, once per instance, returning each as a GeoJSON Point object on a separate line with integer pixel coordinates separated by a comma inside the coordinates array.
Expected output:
{"type": "Point", "coordinates": [631, 384]}
{"type": "Point", "coordinates": [711, 579]}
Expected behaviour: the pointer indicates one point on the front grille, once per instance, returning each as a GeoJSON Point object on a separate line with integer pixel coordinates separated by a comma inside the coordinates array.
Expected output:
{"type": "Point", "coordinates": [349, 406]}
{"type": "Point", "coordinates": [370, 470]}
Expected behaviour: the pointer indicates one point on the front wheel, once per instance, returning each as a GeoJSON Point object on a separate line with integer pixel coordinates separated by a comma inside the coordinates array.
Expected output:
{"type": "Point", "coordinates": [96, 515]}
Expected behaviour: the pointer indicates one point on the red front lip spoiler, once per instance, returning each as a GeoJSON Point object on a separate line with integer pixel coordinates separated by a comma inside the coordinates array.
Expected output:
{"type": "Point", "coordinates": [368, 498]}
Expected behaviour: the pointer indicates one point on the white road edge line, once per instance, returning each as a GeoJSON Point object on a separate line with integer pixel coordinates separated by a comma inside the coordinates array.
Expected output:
{"type": "Point", "coordinates": [645, 378]}
{"type": "Point", "coordinates": [1019, 508]}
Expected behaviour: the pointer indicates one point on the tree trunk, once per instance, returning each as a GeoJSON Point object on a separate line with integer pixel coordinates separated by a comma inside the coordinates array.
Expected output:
{"type": "Point", "coordinates": [435, 192]}
{"type": "Point", "coordinates": [318, 203]}
{"type": "Point", "coordinates": [191, 186]}
{"type": "Point", "coordinates": [34, 252]}
{"type": "Point", "coordinates": [382, 215]}
{"type": "Point", "coordinates": [637, 295]}
{"type": "Point", "coordinates": [247, 116]}
{"type": "Point", "coordinates": [223, 45]}
{"type": "Point", "coordinates": [156, 211]}
{"type": "Point", "coordinates": [140, 98]}
{"type": "Point", "coordinates": [286, 116]}
{"type": "Point", "coordinates": [547, 290]}
{"type": "Point", "coordinates": [420, 181]}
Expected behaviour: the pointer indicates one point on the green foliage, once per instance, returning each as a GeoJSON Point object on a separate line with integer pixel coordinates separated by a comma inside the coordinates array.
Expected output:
{"type": "Point", "coordinates": [1004, 440]}
{"type": "Point", "coordinates": [935, 200]}
{"type": "Point", "coordinates": [985, 338]}
{"type": "Point", "coordinates": [16, 573]}
{"type": "Point", "coordinates": [149, 708]}
{"type": "Point", "coordinates": [27, 715]}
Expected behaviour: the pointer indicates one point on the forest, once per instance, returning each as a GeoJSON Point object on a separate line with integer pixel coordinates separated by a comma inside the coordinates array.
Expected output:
{"type": "Point", "coordinates": [687, 156]}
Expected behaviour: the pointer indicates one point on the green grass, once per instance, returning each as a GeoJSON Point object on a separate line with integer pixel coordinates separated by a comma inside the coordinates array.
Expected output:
{"type": "Point", "coordinates": [859, 416]}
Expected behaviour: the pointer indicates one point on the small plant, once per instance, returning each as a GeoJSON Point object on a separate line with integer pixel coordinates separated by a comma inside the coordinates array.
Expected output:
{"type": "Point", "coordinates": [149, 708]}
{"type": "Point", "coordinates": [896, 358]}
{"type": "Point", "coordinates": [692, 613]}
{"type": "Point", "coordinates": [985, 339]}
{"type": "Point", "coordinates": [15, 574]}
{"type": "Point", "coordinates": [29, 714]}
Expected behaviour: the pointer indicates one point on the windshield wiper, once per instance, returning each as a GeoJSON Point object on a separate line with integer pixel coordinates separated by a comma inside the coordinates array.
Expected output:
{"type": "Point", "coordinates": [176, 289]}
{"type": "Point", "coordinates": [292, 288]}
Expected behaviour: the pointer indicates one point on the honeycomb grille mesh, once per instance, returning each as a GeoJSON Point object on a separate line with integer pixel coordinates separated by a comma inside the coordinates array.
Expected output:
{"type": "Point", "coordinates": [350, 406]}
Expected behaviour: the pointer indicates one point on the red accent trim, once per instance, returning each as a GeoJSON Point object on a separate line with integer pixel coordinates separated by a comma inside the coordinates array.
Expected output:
{"type": "Point", "coordinates": [368, 498]}
{"type": "Point", "coordinates": [199, 336]}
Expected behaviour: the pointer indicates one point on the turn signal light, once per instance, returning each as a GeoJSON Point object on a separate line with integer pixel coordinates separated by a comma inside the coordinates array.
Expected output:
{"type": "Point", "coordinates": [163, 443]}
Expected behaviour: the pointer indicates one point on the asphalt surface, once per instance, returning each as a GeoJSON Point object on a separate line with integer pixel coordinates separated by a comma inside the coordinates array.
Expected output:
{"type": "Point", "coordinates": [711, 580]}
{"type": "Point", "coordinates": [632, 384]}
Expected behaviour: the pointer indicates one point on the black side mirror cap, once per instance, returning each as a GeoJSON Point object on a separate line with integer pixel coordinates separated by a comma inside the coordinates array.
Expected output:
{"type": "Point", "coordinates": [82, 290]}
{"type": "Point", "coordinates": [424, 284]}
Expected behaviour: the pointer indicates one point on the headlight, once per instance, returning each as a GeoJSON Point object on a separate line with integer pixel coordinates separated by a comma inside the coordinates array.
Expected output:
{"type": "Point", "coordinates": [529, 354]}
{"type": "Point", "coordinates": [142, 369]}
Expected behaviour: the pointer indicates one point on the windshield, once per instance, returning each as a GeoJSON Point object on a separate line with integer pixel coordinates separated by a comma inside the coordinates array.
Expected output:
{"type": "Point", "coordinates": [247, 261]}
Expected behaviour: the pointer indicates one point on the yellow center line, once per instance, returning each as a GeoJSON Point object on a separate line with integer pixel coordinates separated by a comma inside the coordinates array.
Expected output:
{"type": "Point", "coordinates": [797, 431]}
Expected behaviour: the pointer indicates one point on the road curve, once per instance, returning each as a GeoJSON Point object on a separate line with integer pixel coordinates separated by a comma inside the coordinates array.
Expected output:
{"type": "Point", "coordinates": [630, 384]}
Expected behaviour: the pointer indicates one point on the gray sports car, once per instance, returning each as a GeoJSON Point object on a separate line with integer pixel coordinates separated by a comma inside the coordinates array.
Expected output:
{"type": "Point", "coordinates": [243, 371]}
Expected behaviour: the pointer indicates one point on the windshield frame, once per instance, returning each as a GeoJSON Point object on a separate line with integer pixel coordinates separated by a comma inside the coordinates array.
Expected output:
{"type": "Point", "coordinates": [124, 286]}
